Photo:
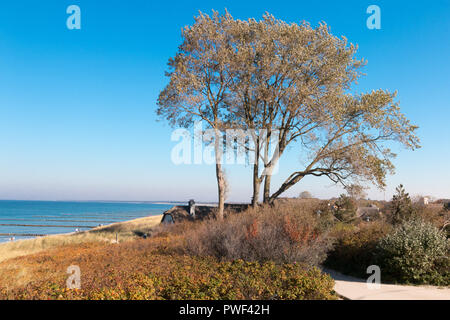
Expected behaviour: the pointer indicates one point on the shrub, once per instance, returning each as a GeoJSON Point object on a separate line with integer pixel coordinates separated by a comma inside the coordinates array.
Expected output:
{"type": "Point", "coordinates": [401, 206]}
{"type": "Point", "coordinates": [447, 206]}
{"type": "Point", "coordinates": [346, 208]}
{"type": "Point", "coordinates": [354, 248]}
{"type": "Point", "coordinates": [327, 221]}
{"type": "Point", "coordinates": [249, 280]}
{"type": "Point", "coordinates": [283, 234]}
{"type": "Point", "coordinates": [435, 215]}
{"type": "Point", "coordinates": [415, 252]}
{"type": "Point", "coordinates": [181, 277]}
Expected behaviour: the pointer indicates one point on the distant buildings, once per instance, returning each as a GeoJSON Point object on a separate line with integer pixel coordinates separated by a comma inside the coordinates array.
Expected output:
{"type": "Point", "coordinates": [370, 213]}
{"type": "Point", "coordinates": [424, 200]}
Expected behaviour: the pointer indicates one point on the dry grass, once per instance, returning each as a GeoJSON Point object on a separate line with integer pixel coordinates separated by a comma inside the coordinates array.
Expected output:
{"type": "Point", "coordinates": [125, 231]}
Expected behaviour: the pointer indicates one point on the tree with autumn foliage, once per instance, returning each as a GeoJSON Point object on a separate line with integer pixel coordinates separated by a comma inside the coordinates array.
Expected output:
{"type": "Point", "coordinates": [290, 81]}
{"type": "Point", "coordinates": [199, 84]}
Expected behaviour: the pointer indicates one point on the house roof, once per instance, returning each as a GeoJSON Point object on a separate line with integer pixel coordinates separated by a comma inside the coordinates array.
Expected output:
{"type": "Point", "coordinates": [180, 213]}
{"type": "Point", "coordinates": [367, 211]}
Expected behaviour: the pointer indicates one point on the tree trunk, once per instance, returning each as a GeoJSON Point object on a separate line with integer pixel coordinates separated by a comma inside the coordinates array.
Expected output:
{"type": "Point", "coordinates": [269, 167]}
{"type": "Point", "coordinates": [267, 170]}
{"type": "Point", "coordinates": [256, 178]}
{"type": "Point", "coordinates": [267, 180]}
{"type": "Point", "coordinates": [218, 148]}
{"type": "Point", "coordinates": [285, 186]}
{"type": "Point", "coordinates": [256, 185]}
{"type": "Point", "coordinates": [221, 190]}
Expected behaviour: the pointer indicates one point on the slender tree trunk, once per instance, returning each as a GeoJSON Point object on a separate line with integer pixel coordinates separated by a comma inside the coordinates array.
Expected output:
{"type": "Point", "coordinates": [267, 170]}
{"type": "Point", "coordinates": [256, 178]}
{"type": "Point", "coordinates": [221, 190]}
{"type": "Point", "coordinates": [269, 167]}
{"type": "Point", "coordinates": [218, 148]}
{"type": "Point", "coordinates": [256, 185]}
{"type": "Point", "coordinates": [267, 179]}
{"type": "Point", "coordinates": [285, 186]}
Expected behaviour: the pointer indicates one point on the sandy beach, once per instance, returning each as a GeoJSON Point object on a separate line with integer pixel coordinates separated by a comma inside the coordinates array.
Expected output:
{"type": "Point", "coordinates": [122, 231]}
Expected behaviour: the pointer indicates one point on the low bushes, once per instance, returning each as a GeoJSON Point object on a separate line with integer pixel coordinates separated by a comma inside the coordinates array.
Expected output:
{"type": "Point", "coordinates": [263, 253]}
{"type": "Point", "coordinates": [136, 271]}
{"type": "Point", "coordinates": [345, 208]}
{"type": "Point", "coordinates": [249, 280]}
{"type": "Point", "coordinates": [415, 252]}
{"type": "Point", "coordinates": [282, 234]}
{"type": "Point", "coordinates": [355, 248]}
{"type": "Point", "coordinates": [447, 206]}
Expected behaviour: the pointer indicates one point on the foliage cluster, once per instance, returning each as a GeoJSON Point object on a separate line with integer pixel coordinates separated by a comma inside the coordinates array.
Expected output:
{"type": "Point", "coordinates": [415, 252]}
{"type": "Point", "coordinates": [412, 252]}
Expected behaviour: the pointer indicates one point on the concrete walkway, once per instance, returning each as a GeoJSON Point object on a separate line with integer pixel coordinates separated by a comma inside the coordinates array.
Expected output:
{"type": "Point", "coordinates": [357, 289]}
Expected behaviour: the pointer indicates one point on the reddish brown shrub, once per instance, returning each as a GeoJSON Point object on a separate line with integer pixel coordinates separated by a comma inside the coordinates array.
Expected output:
{"type": "Point", "coordinates": [283, 233]}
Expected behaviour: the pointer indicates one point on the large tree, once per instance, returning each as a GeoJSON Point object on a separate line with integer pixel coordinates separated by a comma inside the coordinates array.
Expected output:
{"type": "Point", "coordinates": [297, 80]}
{"type": "Point", "coordinates": [199, 84]}
{"type": "Point", "coordinates": [291, 82]}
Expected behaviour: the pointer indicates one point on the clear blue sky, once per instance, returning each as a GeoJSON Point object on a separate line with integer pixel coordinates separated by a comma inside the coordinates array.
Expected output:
{"type": "Point", "coordinates": [77, 116]}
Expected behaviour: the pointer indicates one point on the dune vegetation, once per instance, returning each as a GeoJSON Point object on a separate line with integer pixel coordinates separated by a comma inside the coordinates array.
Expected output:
{"type": "Point", "coordinates": [124, 231]}
{"type": "Point", "coordinates": [166, 264]}
{"type": "Point", "coordinates": [268, 252]}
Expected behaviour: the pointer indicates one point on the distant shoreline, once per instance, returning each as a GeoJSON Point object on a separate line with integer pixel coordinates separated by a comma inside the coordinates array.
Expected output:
{"type": "Point", "coordinates": [27, 219]}
{"type": "Point", "coordinates": [165, 202]}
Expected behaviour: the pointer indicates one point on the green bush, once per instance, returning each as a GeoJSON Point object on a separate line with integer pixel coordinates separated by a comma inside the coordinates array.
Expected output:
{"type": "Point", "coordinates": [346, 208]}
{"type": "Point", "coordinates": [354, 248]}
{"type": "Point", "coordinates": [415, 252]}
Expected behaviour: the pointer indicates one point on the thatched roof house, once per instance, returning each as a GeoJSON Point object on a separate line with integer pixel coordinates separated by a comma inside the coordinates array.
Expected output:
{"type": "Point", "coordinates": [200, 212]}
{"type": "Point", "coordinates": [368, 213]}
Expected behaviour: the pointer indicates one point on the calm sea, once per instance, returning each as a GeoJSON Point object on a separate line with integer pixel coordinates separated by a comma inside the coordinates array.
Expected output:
{"type": "Point", "coordinates": [27, 219]}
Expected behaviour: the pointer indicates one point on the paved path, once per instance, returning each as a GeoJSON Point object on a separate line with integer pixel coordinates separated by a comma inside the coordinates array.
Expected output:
{"type": "Point", "coordinates": [357, 289]}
